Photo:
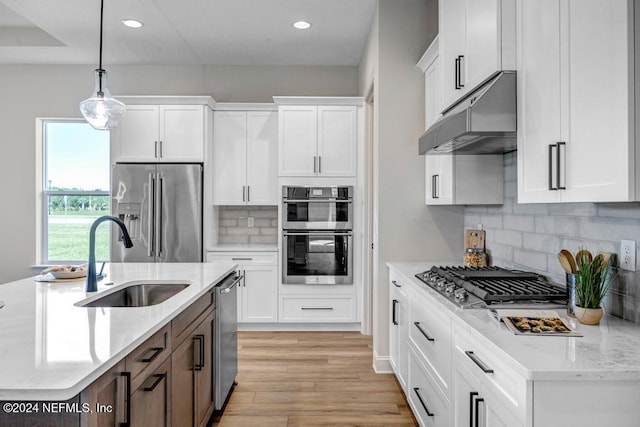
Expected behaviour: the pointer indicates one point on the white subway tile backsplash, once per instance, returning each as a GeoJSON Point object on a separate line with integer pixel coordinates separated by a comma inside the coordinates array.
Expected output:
{"type": "Point", "coordinates": [491, 221]}
{"type": "Point", "coordinates": [262, 222]}
{"type": "Point", "coordinates": [564, 226]}
{"type": "Point", "coordinates": [519, 222]}
{"type": "Point", "coordinates": [233, 222]}
{"type": "Point", "coordinates": [233, 212]}
{"type": "Point", "coordinates": [546, 243]}
{"type": "Point", "coordinates": [572, 209]}
{"type": "Point", "coordinates": [535, 260]}
{"type": "Point", "coordinates": [530, 208]}
{"type": "Point", "coordinates": [528, 236]}
{"type": "Point", "coordinates": [233, 225]}
{"type": "Point", "coordinates": [508, 237]}
{"type": "Point", "coordinates": [597, 228]}
{"type": "Point", "coordinates": [619, 210]}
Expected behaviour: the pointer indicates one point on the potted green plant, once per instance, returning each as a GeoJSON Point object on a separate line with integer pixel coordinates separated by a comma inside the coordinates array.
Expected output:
{"type": "Point", "coordinates": [593, 280]}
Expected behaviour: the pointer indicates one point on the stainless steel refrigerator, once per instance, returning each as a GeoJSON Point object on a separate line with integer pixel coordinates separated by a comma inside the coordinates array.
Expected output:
{"type": "Point", "coordinates": [161, 205]}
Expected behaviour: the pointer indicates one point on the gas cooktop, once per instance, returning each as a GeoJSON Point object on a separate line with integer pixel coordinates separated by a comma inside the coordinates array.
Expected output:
{"type": "Point", "coordinates": [481, 287]}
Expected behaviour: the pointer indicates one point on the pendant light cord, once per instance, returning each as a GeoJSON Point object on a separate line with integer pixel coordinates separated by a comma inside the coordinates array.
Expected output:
{"type": "Point", "coordinates": [100, 61]}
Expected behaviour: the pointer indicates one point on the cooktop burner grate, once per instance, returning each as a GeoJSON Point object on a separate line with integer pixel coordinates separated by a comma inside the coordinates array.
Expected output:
{"type": "Point", "coordinates": [495, 284]}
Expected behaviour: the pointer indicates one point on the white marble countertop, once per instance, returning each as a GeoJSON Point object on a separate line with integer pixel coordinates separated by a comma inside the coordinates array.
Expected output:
{"type": "Point", "coordinates": [52, 349]}
{"type": "Point", "coordinates": [243, 247]}
{"type": "Point", "coordinates": [609, 351]}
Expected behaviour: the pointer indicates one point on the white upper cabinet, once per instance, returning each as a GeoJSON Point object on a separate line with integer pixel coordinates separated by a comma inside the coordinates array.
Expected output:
{"type": "Point", "coordinates": [337, 136]}
{"type": "Point", "coordinates": [161, 133]}
{"type": "Point", "coordinates": [576, 107]}
{"type": "Point", "coordinates": [298, 140]}
{"type": "Point", "coordinates": [477, 39]}
{"type": "Point", "coordinates": [244, 158]}
{"type": "Point", "coordinates": [229, 157]}
{"type": "Point", "coordinates": [449, 179]}
{"type": "Point", "coordinates": [317, 140]}
{"type": "Point", "coordinates": [262, 158]}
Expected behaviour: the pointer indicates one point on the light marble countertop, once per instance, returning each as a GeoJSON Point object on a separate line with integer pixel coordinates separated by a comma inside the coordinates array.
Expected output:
{"type": "Point", "coordinates": [52, 349]}
{"type": "Point", "coordinates": [609, 351]}
{"type": "Point", "coordinates": [243, 247]}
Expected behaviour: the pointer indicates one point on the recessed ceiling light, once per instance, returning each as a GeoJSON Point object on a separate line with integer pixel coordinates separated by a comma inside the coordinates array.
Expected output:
{"type": "Point", "coordinates": [302, 25]}
{"type": "Point", "coordinates": [132, 23]}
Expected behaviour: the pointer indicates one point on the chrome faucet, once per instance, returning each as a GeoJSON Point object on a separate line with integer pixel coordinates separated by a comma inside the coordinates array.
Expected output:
{"type": "Point", "coordinates": [92, 280]}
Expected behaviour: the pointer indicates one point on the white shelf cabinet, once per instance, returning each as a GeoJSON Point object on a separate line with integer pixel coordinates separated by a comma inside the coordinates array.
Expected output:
{"type": "Point", "coordinates": [245, 158]}
{"type": "Point", "coordinates": [161, 133]}
{"type": "Point", "coordinates": [450, 179]}
{"type": "Point", "coordinates": [477, 39]}
{"type": "Point", "coordinates": [258, 291]}
{"type": "Point", "coordinates": [576, 106]}
{"type": "Point", "coordinates": [317, 140]}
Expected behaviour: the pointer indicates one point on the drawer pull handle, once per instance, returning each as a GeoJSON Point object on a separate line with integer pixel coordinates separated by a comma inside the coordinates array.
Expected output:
{"type": "Point", "coordinates": [395, 284]}
{"type": "Point", "coordinates": [197, 366]}
{"type": "Point", "coordinates": [159, 378]}
{"type": "Point", "coordinates": [156, 352]}
{"type": "Point", "coordinates": [127, 376]}
{"type": "Point", "coordinates": [316, 308]}
{"type": "Point", "coordinates": [478, 362]}
{"type": "Point", "coordinates": [415, 390]}
{"type": "Point", "coordinates": [241, 259]}
{"type": "Point", "coordinates": [423, 332]}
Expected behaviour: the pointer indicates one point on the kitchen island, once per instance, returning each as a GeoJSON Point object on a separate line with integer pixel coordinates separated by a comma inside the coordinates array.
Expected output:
{"type": "Point", "coordinates": [472, 367]}
{"type": "Point", "coordinates": [53, 349]}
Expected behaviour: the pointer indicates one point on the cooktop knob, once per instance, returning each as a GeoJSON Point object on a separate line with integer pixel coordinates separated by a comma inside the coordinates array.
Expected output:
{"type": "Point", "coordinates": [460, 294]}
{"type": "Point", "coordinates": [449, 289]}
{"type": "Point", "coordinates": [440, 284]}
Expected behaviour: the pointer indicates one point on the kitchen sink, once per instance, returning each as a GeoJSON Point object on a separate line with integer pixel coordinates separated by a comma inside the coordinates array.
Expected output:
{"type": "Point", "coordinates": [137, 294]}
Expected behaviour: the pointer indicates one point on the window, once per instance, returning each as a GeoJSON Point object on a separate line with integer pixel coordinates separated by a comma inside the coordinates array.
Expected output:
{"type": "Point", "coordinates": [74, 190]}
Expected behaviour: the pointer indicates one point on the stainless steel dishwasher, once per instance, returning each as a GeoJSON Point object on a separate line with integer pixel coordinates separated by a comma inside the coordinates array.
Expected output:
{"type": "Point", "coordinates": [226, 338]}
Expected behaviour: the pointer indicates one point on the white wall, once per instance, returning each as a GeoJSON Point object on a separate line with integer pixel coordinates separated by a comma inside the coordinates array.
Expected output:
{"type": "Point", "coordinates": [30, 91]}
{"type": "Point", "coordinates": [407, 229]}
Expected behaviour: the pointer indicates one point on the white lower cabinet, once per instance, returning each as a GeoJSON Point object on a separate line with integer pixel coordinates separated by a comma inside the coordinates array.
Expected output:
{"type": "Point", "coordinates": [507, 388]}
{"type": "Point", "coordinates": [317, 309]}
{"type": "Point", "coordinates": [399, 330]}
{"type": "Point", "coordinates": [429, 405]}
{"type": "Point", "coordinates": [475, 404]}
{"type": "Point", "coordinates": [258, 291]}
{"type": "Point", "coordinates": [454, 376]}
{"type": "Point", "coordinates": [430, 333]}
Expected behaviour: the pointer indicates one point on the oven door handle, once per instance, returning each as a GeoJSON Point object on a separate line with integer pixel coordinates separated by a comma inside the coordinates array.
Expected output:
{"type": "Point", "coordinates": [317, 200]}
{"type": "Point", "coordinates": [318, 233]}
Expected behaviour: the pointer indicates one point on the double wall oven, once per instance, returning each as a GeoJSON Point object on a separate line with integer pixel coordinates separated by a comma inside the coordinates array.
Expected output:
{"type": "Point", "coordinates": [317, 235]}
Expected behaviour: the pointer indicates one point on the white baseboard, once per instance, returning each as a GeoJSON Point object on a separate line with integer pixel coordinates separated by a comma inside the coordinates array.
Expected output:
{"type": "Point", "coordinates": [288, 327]}
{"type": "Point", "coordinates": [381, 364]}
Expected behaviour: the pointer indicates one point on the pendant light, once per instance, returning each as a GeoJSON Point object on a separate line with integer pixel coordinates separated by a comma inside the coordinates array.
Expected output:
{"type": "Point", "coordinates": [101, 110]}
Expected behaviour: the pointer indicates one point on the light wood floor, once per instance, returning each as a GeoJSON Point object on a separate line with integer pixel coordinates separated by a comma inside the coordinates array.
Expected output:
{"type": "Point", "coordinates": [312, 379]}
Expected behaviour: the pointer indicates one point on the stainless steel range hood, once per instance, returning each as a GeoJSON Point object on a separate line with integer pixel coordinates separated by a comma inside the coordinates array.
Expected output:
{"type": "Point", "coordinates": [483, 122]}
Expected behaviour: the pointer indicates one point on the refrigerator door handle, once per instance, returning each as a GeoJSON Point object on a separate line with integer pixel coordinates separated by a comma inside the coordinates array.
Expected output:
{"type": "Point", "coordinates": [160, 196]}
{"type": "Point", "coordinates": [152, 199]}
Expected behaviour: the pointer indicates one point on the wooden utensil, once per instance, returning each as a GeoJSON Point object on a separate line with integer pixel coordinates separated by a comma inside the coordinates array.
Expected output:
{"type": "Point", "coordinates": [583, 253]}
{"type": "Point", "coordinates": [570, 267]}
{"type": "Point", "coordinates": [564, 262]}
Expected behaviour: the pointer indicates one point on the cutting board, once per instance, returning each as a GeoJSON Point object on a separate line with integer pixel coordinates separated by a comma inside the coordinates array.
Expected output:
{"type": "Point", "coordinates": [474, 239]}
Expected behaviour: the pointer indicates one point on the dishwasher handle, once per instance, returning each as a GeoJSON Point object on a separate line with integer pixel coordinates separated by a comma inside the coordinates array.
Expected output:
{"type": "Point", "coordinates": [225, 289]}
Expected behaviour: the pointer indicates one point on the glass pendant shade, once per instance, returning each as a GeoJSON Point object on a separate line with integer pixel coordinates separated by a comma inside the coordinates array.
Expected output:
{"type": "Point", "coordinates": [101, 110]}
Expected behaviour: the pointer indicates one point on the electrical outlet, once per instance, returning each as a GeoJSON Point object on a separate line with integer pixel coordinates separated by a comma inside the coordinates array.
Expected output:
{"type": "Point", "coordinates": [250, 221]}
{"type": "Point", "coordinates": [628, 255]}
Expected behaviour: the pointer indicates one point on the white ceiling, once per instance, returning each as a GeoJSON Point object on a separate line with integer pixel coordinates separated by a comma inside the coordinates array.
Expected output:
{"type": "Point", "coordinates": [209, 32]}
